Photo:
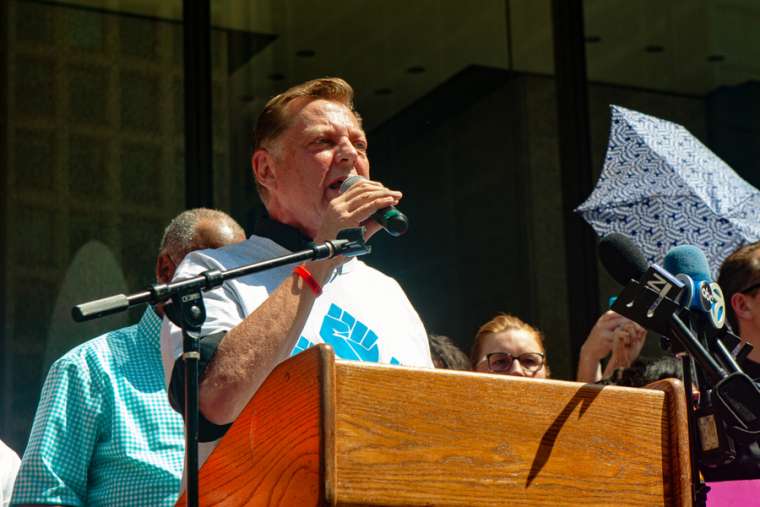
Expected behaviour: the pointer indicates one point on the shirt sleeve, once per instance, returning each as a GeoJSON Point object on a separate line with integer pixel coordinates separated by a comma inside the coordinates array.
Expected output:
{"type": "Point", "coordinates": [222, 311]}
{"type": "Point", "coordinates": [419, 337]}
{"type": "Point", "coordinates": [9, 463]}
{"type": "Point", "coordinates": [415, 330]}
{"type": "Point", "coordinates": [66, 426]}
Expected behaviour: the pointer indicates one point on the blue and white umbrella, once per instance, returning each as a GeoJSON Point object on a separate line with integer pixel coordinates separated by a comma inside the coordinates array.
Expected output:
{"type": "Point", "coordinates": [663, 187]}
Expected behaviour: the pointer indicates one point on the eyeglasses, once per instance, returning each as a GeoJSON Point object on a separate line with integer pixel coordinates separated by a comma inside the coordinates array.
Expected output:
{"type": "Point", "coordinates": [499, 362]}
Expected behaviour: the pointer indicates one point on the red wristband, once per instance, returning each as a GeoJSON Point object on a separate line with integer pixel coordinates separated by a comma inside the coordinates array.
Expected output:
{"type": "Point", "coordinates": [308, 279]}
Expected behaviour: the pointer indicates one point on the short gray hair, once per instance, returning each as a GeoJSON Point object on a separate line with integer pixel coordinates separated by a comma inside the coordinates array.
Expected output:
{"type": "Point", "coordinates": [179, 234]}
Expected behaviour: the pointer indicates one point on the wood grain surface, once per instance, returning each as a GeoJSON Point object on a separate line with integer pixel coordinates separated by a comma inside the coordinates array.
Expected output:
{"type": "Point", "coordinates": [321, 432]}
{"type": "Point", "coordinates": [680, 479]}
{"type": "Point", "coordinates": [411, 437]}
{"type": "Point", "coordinates": [274, 455]}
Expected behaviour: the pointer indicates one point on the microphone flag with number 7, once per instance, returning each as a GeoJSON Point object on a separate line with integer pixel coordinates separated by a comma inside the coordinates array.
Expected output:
{"type": "Point", "coordinates": [689, 264]}
{"type": "Point", "coordinates": [663, 187]}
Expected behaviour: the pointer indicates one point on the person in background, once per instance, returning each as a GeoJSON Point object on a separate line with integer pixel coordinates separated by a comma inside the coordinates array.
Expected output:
{"type": "Point", "coordinates": [446, 354]}
{"type": "Point", "coordinates": [641, 373]}
{"type": "Point", "coordinates": [740, 280]}
{"type": "Point", "coordinates": [612, 335]}
{"type": "Point", "coordinates": [9, 464]}
{"type": "Point", "coordinates": [509, 346]}
{"type": "Point", "coordinates": [104, 433]}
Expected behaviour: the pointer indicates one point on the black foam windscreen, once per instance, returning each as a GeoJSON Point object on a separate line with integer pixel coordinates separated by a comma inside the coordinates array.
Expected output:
{"type": "Point", "coordinates": [622, 258]}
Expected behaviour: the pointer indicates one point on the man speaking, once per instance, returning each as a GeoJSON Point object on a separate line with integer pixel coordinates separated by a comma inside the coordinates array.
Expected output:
{"type": "Point", "coordinates": [307, 142]}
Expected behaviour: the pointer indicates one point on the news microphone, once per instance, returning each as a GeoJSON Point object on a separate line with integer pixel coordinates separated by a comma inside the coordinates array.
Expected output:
{"type": "Point", "coordinates": [650, 297]}
{"type": "Point", "coordinates": [729, 404]}
{"type": "Point", "coordinates": [622, 258]}
{"type": "Point", "coordinates": [391, 219]}
{"type": "Point", "coordinates": [704, 298]}
{"type": "Point", "coordinates": [701, 294]}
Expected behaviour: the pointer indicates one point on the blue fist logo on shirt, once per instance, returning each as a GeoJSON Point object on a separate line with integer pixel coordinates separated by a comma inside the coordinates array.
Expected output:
{"type": "Point", "coordinates": [350, 338]}
{"type": "Point", "coordinates": [302, 344]}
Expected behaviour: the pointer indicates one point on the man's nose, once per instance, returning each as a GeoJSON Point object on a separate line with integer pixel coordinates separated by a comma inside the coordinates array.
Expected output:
{"type": "Point", "coordinates": [346, 151]}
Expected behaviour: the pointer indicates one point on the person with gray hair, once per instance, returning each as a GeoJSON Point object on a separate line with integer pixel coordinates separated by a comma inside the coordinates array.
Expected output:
{"type": "Point", "coordinates": [104, 432]}
{"type": "Point", "coordinates": [194, 229]}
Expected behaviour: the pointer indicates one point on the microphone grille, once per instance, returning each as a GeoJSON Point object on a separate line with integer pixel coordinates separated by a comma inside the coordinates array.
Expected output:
{"type": "Point", "coordinates": [350, 182]}
{"type": "Point", "coordinates": [689, 260]}
{"type": "Point", "coordinates": [622, 258]}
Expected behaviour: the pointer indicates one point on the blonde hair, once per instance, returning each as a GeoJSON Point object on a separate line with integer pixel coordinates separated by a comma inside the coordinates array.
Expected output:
{"type": "Point", "coordinates": [276, 117]}
{"type": "Point", "coordinates": [505, 322]}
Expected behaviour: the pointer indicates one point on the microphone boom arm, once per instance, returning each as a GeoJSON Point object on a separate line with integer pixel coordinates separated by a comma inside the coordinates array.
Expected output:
{"type": "Point", "coordinates": [350, 242]}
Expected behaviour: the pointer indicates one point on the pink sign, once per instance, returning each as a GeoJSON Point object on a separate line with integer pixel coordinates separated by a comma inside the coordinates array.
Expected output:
{"type": "Point", "coordinates": [729, 493]}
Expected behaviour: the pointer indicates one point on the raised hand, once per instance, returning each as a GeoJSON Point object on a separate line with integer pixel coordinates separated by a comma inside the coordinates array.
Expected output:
{"type": "Point", "coordinates": [628, 340]}
{"type": "Point", "coordinates": [598, 345]}
{"type": "Point", "coordinates": [354, 207]}
{"type": "Point", "coordinates": [600, 340]}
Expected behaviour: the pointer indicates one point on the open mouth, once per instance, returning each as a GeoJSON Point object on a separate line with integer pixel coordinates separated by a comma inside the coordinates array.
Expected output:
{"type": "Point", "coordinates": [335, 185]}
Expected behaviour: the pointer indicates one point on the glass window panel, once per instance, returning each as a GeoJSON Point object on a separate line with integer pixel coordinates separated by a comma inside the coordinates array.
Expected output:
{"type": "Point", "coordinates": [139, 37]}
{"type": "Point", "coordinates": [35, 85]}
{"type": "Point", "coordinates": [33, 23]}
{"type": "Point", "coordinates": [88, 94]}
{"type": "Point", "coordinates": [85, 30]}
{"type": "Point", "coordinates": [92, 142]}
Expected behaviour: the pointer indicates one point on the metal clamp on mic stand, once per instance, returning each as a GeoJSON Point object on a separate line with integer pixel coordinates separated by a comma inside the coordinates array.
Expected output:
{"type": "Point", "coordinates": [187, 311]}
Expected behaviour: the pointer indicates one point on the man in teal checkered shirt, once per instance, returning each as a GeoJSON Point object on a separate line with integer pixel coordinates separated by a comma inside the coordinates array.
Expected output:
{"type": "Point", "coordinates": [104, 433]}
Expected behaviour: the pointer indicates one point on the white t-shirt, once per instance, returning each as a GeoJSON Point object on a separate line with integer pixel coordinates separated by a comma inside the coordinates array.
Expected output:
{"type": "Point", "coordinates": [363, 314]}
{"type": "Point", "coordinates": [9, 463]}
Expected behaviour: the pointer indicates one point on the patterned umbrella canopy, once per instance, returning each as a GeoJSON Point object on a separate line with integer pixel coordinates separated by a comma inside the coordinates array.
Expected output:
{"type": "Point", "coordinates": [663, 187]}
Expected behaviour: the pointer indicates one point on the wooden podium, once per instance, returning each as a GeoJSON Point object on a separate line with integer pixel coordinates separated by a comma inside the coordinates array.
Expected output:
{"type": "Point", "coordinates": [322, 431]}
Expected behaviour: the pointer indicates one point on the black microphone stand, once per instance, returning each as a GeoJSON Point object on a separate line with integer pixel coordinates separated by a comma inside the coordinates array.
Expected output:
{"type": "Point", "coordinates": [188, 312]}
{"type": "Point", "coordinates": [736, 397]}
{"type": "Point", "coordinates": [699, 488]}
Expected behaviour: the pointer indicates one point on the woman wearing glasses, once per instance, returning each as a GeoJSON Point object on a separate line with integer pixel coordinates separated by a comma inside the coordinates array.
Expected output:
{"type": "Point", "coordinates": [507, 345]}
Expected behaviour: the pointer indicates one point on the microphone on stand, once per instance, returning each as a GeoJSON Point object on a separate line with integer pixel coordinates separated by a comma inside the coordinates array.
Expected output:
{"type": "Point", "coordinates": [702, 294]}
{"type": "Point", "coordinates": [730, 399]}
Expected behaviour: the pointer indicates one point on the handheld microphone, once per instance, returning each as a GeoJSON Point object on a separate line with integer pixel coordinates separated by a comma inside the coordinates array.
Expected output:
{"type": "Point", "coordinates": [391, 219]}
{"type": "Point", "coordinates": [702, 294]}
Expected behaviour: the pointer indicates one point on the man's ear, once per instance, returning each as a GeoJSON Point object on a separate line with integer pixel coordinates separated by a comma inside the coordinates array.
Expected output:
{"type": "Point", "coordinates": [741, 306]}
{"type": "Point", "coordinates": [262, 164]}
{"type": "Point", "coordinates": [165, 268]}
